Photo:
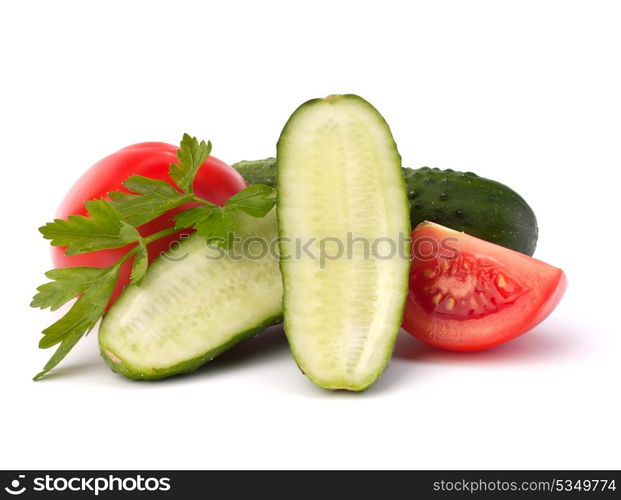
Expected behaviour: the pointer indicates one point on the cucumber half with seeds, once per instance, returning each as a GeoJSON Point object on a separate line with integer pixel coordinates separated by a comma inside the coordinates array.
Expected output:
{"type": "Point", "coordinates": [340, 179]}
{"type": "Point", "coordinates": [194, 304]}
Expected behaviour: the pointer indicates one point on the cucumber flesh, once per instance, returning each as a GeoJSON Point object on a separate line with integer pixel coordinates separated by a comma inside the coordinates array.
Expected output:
{"type": "Point", "coordinates": [338, 173]}
{"type": "Point", "coordinates": [188, 310]}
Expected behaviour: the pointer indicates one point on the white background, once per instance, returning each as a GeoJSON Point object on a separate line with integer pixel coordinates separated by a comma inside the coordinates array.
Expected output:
{"type": "Point", "coordinates": [528, 93]}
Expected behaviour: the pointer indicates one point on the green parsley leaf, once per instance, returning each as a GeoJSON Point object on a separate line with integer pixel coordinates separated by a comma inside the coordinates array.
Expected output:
{"type": "Point", "coordinates": [101, 229]}
{"type": "Point", "coordinates": [153, 198]}
{"type": "Point", "coordinates": [68, 283]}
{"type": "Point", "coordinates": [256, 200]}
{"type": "Point", "coordinates": [217, 224]}
{"type": "Point", "coordinates": [190, 156]}
{"type": "Point", "coordinates": [113, 224]}
{"type": "Point", "coordinates": [217, 228]}
{"type": "Point", "coordinates": [81, 318]}
{"type": "Point", "coordinates": [145, 185]}
{"type": "Point", "coordinates": [65, 347]}
{"type": "Point", "coordinates": [192, 216]}
{"type": "Point", "coordinates": [129, 233]}
{"type": "Point", "coordinates": [141, 262]}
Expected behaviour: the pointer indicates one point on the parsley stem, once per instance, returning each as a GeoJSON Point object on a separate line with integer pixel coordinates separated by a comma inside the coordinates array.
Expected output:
{"type": "Point", "coordinates": [126, 256]}
{"type": "Point", "coordinates": [161, 234]}
{"type": "Point", "coordinates": [202, 201]}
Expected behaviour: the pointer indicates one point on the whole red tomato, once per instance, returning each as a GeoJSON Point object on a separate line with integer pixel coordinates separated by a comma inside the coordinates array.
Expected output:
{"type": "Point", "coordinates": [215, 181]}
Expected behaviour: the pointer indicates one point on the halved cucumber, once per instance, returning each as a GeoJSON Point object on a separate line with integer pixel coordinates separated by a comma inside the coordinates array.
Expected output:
{"type": "Point", "coordinates": [195, 304]}
{"type": "Point", "coordinates": [340, 180]}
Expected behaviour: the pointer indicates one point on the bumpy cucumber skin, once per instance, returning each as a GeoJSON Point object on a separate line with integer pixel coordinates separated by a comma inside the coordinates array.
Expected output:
{"type": "Point", "coordinates": [477, 206]}
{"type": "Point", "coordinates": [123, 368]}
{"type": "Point", "coordinates": [400, 307]}
{"type": "Point", "coordinates": [258, 171]}
{"type": "Point", "coordinates": [462, 201]}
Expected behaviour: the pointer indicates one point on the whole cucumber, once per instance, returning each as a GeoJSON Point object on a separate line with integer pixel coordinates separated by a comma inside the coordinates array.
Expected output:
{"type": "Point", "coordinates": [462, 201]}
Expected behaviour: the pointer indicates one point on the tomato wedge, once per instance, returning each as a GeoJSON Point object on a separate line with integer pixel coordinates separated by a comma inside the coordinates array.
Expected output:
{"type": "Point", "coordinates": [467, 294]}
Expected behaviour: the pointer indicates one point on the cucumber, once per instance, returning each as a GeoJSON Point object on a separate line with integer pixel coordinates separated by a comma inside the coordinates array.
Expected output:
{"type": "Point", "coordinates": [480, 207]}
{"type": "Point", "coordinates": [257, 171]}
{"type": "Point", "coordinates": [338, 174]}
{"type": "Point", "coordinates": [188, 310]}
{"type": "Point", "coordinates": [462, 201]}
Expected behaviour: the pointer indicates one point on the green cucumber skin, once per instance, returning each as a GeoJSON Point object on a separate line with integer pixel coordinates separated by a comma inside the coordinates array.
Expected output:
{"type": "Point", "coordinates": [462, 201]}
{"type": "Point", "coordinates": [258, 171]}
{"type": "Point", "coordinates": [268, 173]}
{"type": "Point", "coordinates": [480, 207]}
{"type": "Point", "coordinates": [188, 366]}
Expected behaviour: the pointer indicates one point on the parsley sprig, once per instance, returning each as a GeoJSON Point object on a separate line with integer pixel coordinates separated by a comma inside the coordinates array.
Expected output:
{"type": "Point", "coordinates": [113, 223]}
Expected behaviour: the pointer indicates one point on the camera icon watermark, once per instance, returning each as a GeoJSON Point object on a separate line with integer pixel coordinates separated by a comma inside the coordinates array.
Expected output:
{"type": "Point", "coordinates": [16, 488]}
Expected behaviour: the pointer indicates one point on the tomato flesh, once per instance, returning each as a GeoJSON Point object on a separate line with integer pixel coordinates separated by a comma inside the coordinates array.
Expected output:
{"type": "Point", "coordinates": [464, 288]}
{"type": "Point", "coordinates": [478, 295]}
{"type": "Point", "coordinates": [215, 181]}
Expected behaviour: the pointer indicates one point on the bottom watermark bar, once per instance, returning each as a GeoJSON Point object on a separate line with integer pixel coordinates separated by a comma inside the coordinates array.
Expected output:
{"type": "Point", "coordinates": [307, 484]}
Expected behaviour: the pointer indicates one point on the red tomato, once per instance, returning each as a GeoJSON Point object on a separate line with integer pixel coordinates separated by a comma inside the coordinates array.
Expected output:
{"type": "Point", "coordinates": [467, 294]}
{"type": "Point", "coordinates": [215, 181]}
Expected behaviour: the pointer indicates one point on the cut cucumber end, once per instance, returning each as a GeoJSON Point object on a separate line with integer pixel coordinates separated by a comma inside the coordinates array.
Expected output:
{"type": "Point", "coordinates": [340, 182]}
{"type": "Point", "coordinates": [195, 304]}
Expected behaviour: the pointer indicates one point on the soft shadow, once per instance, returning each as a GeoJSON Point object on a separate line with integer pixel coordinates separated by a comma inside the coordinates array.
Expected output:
{"type": "Point", "coordinates": [544, 344]}
{"type": "Point", "coordinates": [541, 344]}
{"type": "Point", "coordinates": [262, 348]}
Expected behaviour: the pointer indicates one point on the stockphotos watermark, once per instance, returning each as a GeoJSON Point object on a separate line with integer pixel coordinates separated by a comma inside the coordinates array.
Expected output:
{"type": "Point", "coordinates": [94, 485]}
{"type": "Point", "coordinates": [325, 249]}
